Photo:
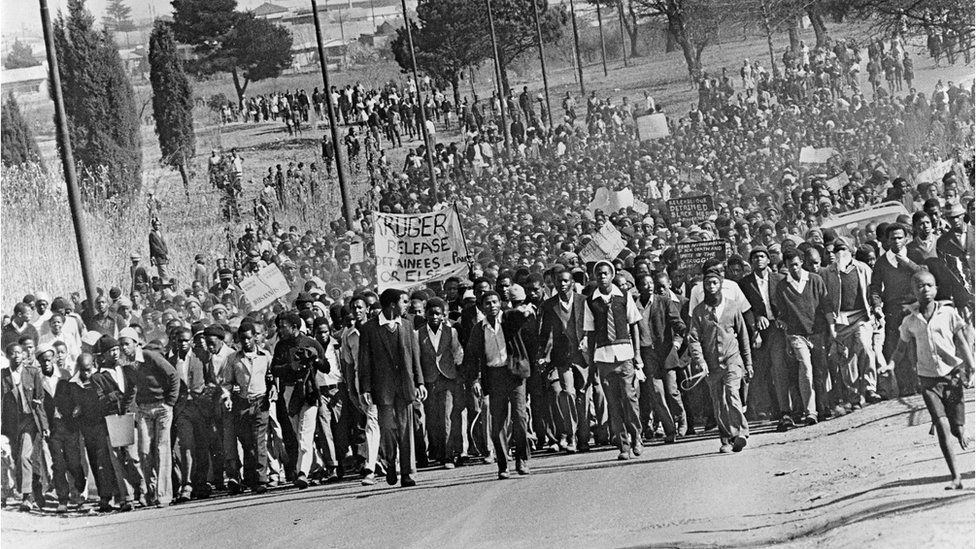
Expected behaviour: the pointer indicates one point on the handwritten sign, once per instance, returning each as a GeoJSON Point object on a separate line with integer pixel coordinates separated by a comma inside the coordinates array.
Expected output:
{"type": "Point", "coordinates": [813, 155]}
{"type": "Point", "coordinates": [413, 249]}
{"type": "Point", "coordinates": [652, 126]}
{"type": "Point", "coordinates": [356, 254]}
{"type": "Point", "coordinates": [265, 287]}
{"type": "Point", "coordinates": [692, 255]}
{"type": "Point", "coordinates": [607, 243]}
{"type": "Point", "coordinates": [693, 209]}
{"type": "Point", "coordinates": [838, 182]}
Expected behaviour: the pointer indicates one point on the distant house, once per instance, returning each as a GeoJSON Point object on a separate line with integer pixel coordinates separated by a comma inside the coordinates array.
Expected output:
{"type": "Point", "coordinates": [25, 81]}
{"type": "Point", "coordinates": [306, 54]}
{"type": "Point", "coordinates": [268, 10]}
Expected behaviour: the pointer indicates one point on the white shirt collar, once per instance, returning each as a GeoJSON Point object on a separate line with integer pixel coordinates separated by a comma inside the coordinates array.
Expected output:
{"type": "Point", "coordinates": [387, 322]}
{"type": "Point", "coordinates": [614, 291]}
{"type": "Point", "coordinates": [890, 255]}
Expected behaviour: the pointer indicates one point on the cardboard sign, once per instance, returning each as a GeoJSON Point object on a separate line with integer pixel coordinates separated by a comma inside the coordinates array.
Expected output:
{"type": "Point", "coordinates": [838, 182]}
{"type": "Point", "coordinates": [609, 201]}
{"type": "Point", "coordinates": [641, 207]}
{"type": "Point", "coordinates": [356, 253]}
{"type": "Point", "coordinates": [693, 176]}
{"type": "Point", "coordinates": [934, 173]}
{"type": "Point", "coordinates": [607, 243]}
{"type": "Point", "coordinates": [812, 155]}
{"type": "Point", "coordinates": [652, 126]}
{"type": "Point", "coordinates": [692, 255]}
{"type": "Point", "coordinates": [693, 209]}
{"type": "Point", "coordinates": [263, 288]}
{"type": "Point", "coordinates": [413, 249]}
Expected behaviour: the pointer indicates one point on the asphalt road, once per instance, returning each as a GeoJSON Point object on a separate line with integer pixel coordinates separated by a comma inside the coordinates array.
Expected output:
{"type": "Point", "coordinates": [874, 478]}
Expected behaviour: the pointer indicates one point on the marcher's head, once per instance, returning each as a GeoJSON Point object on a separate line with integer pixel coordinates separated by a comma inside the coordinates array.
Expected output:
{"type": "Point", "coordinates": [182, 340]}
{"type": "Point", "coordinates": [793, 260]}
{"type": "Point", "coordinates": [604, 273]}
{"type": "Point", "coordinates": [84, 366]}
{"type": "Point", "coordinates": [15, 355]}
{"type": "Point", "coordinates": [358, 308]}
{"type": "Point", "coordinates": [393, 302]}
{"type": "Point", "coordinates": [129, 343]}
{"type": "Point", "coordinates": [924, 287]}
{"type": "Point", "coordinates": [107, 351]}
{"type": "Point", "coordinates": [435, 312]}
{"type": "Point", "coordinates": [246, 337]}
{"type": "Point", "coordinates": [491, 303]}
{"type": "Point", "coordinates": [45, 359]}
{"type": "Point", "coordinates": [214, 337]}
{"type": "Point", "coordinates": [896, 236]}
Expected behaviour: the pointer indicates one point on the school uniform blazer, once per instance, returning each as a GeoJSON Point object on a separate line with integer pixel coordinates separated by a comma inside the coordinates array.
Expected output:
{"type": "Point", "coordinates": [659, 326]}
{"type": "Point", "coordinates": [10, 421]}
{"type": "Point", "coordinates": [561, 350]}
{"type": "Point", "coordinates": [380, 374]}
{"type": "Point", "coordinates": [831, 277]}
{"type": "Point", "coordinates": [113, 399]}
{"type": "Point", "coordinates": [750, 287]}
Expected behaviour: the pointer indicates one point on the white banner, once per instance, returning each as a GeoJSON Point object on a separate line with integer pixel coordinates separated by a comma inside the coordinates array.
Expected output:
{"type": "Point", "coordinates": [265, 287]}
{"type": "Point", "coordinates": [838, 182]}
{"type": "Point", "coordinates": [812, 155]}
{"type": "Point", "coordinates": [356, 253]}
{"type": "Point", "coordinates": [607, 243]}
{"type": "Point", "coordinates": [610, 202]}
{"type": "Point", "coordinates": [652, 126]}
{"type": "Point", "coordinates": [413, 249]}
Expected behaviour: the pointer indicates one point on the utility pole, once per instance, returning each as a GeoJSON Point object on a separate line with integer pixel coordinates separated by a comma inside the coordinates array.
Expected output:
{"type": "Point", "coordinates": [603, 43]}
{"type": "Point", "coordinates": [347, 209]}
{"type": "Point", "coordinates": [542, 60]}
{"type": "Point", "coordinates": [623, 39]}
{"type": "Point", "coordinates": [498, 75]}
{"type": "Point", "coordinates": [579, 60]}
{"type": "Point", "coordinates": [68, 159]}
{"type": "Point", "coordinates": [428, 142]}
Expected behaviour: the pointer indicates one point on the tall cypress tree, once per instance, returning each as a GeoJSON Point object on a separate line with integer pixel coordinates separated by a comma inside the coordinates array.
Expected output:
{"type": "Point", "coordinates": [99, 101]}
{"type": "Point", "coordinates": [17, 143]}
{"type": "Point", "coordinates": [172, 101]}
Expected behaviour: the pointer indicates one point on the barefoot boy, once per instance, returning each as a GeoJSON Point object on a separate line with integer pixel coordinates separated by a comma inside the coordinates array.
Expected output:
{"type": "Point", "coordinates": [944, 361]}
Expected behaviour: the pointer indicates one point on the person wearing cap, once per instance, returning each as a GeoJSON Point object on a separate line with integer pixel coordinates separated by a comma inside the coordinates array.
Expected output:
{"type": "Point", "coordinates": [850, 325]}
{"type": "Point", "coordinates": [115, 385]}
{"type": "Point", "coordinates": [803, 307]}
{"type": "Point", "coordinates": [612, 341]}
{"type": "Point", "coordinates": [390, 377]}
{"type": "Point", "coordinates": [22, 418]}
{"type": "Point", "coordinates": [772, 387]}
{"type": "Point", "coordinates": [245, 384]}
{"type": "Point", "coordinates": [158, 251]}
{"type": "Point", "coordinates": [718, 343]}
{"type": "Point", "coordinates": [157, 387]}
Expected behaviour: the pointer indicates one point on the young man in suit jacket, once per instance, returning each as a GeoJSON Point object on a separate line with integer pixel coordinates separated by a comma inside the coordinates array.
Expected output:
{"type": "Point", "coordinates": [772, 380]}
{"type": "Point", "coordinates": [561, 330]}
{"type": "Point", "coordinates": [23, 420]}
{"type": "Point", "coordinates": [440, 357]}
{"type": "Point", "coordinates": [390, 376]}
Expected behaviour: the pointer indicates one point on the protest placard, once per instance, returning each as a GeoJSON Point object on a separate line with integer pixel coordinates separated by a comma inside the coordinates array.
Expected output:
{"type": "Point", "coordinates": [413, 249]}
{"type": "Point", "coordinates": [813, 155]}
{"type": "Point", "coordinates": [652, 126]}
{"type": "Point", "coordinates": [641, 207]}
{"type": "Point", "coordinates": [607, 243]}
{"type": "Point", "coordinates": [609, 201]}
{"type": "Point", "coordinates": [934, 173]}
{"type": "Point", "coordinates": [838, 182]}
{"type": "Point", "coordinates": [263, 288]}
{"type": "Point", "coordinates": [693, 209]}
{"type": "Point", "coordinates": [690, 175]}
{"type": "Point", "coordinates": [356, 253]}
{"type": "Point", "coordinates": [692, 255]}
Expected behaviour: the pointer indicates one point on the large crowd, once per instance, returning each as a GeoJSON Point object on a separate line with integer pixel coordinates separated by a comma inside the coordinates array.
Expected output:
{"type": "Point", "coordinates": [168, 392]}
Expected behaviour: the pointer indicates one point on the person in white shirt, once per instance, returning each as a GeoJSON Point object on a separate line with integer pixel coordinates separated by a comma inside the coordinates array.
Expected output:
{"type": "Point", "coordinates": [335, 416]}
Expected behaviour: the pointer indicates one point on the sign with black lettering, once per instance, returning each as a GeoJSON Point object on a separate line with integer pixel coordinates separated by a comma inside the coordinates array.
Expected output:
{"type": "Point", "coordinates": [413, 249]}
{"type": "Point", "coordinates": [692, 255]}
{"type": "Point", "coordinates": [693, 209]}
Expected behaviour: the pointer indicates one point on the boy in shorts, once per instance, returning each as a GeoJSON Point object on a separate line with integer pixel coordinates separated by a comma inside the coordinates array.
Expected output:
{"type": "Point", "coordinates": [944, 361]}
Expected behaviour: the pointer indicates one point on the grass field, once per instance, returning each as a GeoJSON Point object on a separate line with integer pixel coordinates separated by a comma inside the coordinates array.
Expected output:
{"type": "Point", "coordinates": [38, 250]}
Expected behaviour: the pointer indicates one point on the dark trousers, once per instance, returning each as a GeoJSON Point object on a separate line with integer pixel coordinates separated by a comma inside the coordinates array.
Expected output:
{"type": "Point", "coordinates": [567, 385]}
{"type": "Point", "coordinates": [443, 411]}
{"type": "Point", "coordinates": [192, 433]}
{"type": "Point", "coordinates": [596, 420]}
{"type": "Point", "coordinates": [66, 460]}
{"type": "Point", "coordinates": [618, 379]}
{"type": "Point", "coordinates": [540, 408]}
{"type": "Point", "coordinates": [22, 449]}
{"type": "Point", "coordinates": [97, 448]}
{"type": "Point", "coordinates": [251, 429]}
{"type": "Point", "coordinates": [506, 400]}
{"type": "Point", "coordinates": [396, 435]}
{"type": "Point", "coordinates": [771, 373]}
{"type": "Point", "coordinates": [905, 373]}
{"type": "Point", "coordinates": [659, 395]}
{"type": "Point", "coordinates": [335, 423]}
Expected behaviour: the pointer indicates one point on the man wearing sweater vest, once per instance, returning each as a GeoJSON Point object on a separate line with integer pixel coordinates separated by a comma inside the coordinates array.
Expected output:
{"type": "Point", "coordinates": [718, 342]}
{"type": "Point", "coordinates": [157, 387]}
{"type": "Point", "coordinates": [892, 297]}
{"type": "Point", "coordinates": [612, 338]}
{"type": "Point", "coordinates": [440, 356]}
{"type": "Point", "coordinates": [802, 304]}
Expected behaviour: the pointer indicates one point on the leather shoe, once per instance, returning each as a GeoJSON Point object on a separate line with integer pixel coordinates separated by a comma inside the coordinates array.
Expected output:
{"type": "Point", "coordinates": [725, 449]}
{"type": "Point", "coordinates": [391, 476]}
{"type": "Point", "coordinates": [301, 482]}
{"type": "Point", "coordinates": [738, 444]}
{"type": "Point", "coordinates": [407, 481]}
{"type": "Point", "coordinates": [502, 475]}
{"type": "Point", "coordinates": [522, 469]}
{"type": "Point", "coordinates": [637, 449]}
{"type": "Point", "coordinates": [448, 464]}
{"type": "Point", "coordinates": [623, 456]}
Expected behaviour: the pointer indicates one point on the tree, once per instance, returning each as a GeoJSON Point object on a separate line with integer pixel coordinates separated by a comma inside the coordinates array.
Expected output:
{"type": "Point", "coordinates": [515, 28]}
{"type": "Point", "coordinates": [630, 24]}
{"type": "Point", "coordinates": [692, 24]}
{"type": "Point", "coordinates": [17, 143]}
{"type": "Point", "coordinates": [118, 16]}
{"type": "Point", "coordinates": [172, 101]}
{"type": "Point", "coordinates": [250, 49]}
{"type": "Point", "coordinates": [20, 56]}
{"type": "Point", "coordinates": [100, 105]}
{"type": "Point", "coordinates": [448, 38]}
{"type": "Point", "coordinates": [912, 17]}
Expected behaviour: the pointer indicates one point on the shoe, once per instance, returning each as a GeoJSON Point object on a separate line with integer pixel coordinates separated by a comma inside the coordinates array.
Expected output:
{"type": "Point", "coordinates": [583, 448]}
{"type": "Point", "coordinates": [379, 470]}
{"type": "Point", "coordinates": [826, 415]}
{"type": "Point", "coordinates": [368, 480]}
{"type": "Point", "coordinates": [407, 482]}
{"type": "Point", "coordinates": [809, 420]}
{"type": "Point", "coordinates": [331, 478]}
{"type": "Point", "coordinates": [234, 487]}
{"type": "Point", "coordinates": [28, 505]}
{"type": "Point", "coordinates": [449, 465]}
{"type": "Point", "coordinates": [623, 456]}
{"type": "Point", "coordinates": [125, 507]}
{"type": "Point", "coordinates": [571, 448]}
{"type": "Point", "coordinates": [105, 507]}
{"type": "Point", "coordinates": [738, 444]}
{"type": "Point", "coordinates": [637, 449]}
{"type": "Point", "coordinates": [259, 489]}
{"type": "Point", "coordinates": [670, 439]}
{"type": "Point", "coordinates": [725, 449]}
{"type": "Point", "coordinates": [873, 398]}
{"type": "Point", "coordinates": [488, 460]}
{"type": "Point", "coordinates": [301, 482]}
{"type": "Point", "coordinates": [391, 476]}
{"type": "Point", "coordinates": [785, 424]}
{"type": "Point", "coordinates": [522, 469]}
{"type": "Point", "coordinates": [554, 448]}
{"type": "Point", "coordinates": [503, 475]}
{"type": "Point", "coordinates": [563, 442]}
{"type": "Point", "coordinates": [857, 406]}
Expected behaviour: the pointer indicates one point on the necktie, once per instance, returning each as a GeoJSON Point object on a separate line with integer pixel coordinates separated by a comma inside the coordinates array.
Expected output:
{"type": "Point", "coordinates": [611, 328]}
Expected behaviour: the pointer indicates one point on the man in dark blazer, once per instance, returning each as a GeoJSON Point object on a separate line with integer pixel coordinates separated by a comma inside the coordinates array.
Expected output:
{"type": "Point", "coordinates": [561, 329]}
{"type": "Point", "coordinates": [390, 376]}
{"type": "Point", "coordinates": [661, 334]}
{"type": "Point", "coordinates": [23, 420]}
{"type": "Point", "coordinates": [772, 379]}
